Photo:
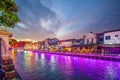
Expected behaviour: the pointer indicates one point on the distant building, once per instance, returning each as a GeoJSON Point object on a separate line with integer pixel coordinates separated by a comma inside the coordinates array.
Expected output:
{"type": "Point", "coordinates": [112, 37]}
{"type": "Point", "coordinates": [42, 45]}
{"type": "Point", "coordinates": [77, 46]}
{"type": "Point", "coordinates": [53, 41]}
{"type": "Point", "coordinates": [100, 43]}
{"type": "Point", "coordinates": [100, 38]}
{"type": "Point", "coordinates": [65, 45]}
{"type": "Point", "coordinates": [90, 38]}
{"type": "Point", "coordinates": [79, 42]}
{"type": "Point", "coordinates": [51, 44]}
{"type": "Point", "coordinates": [32, 46]}
{"type": "Point", "coordinates": [112, 42]}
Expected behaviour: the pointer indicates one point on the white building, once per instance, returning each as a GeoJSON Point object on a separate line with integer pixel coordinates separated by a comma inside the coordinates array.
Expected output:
{"type": "Point", "coordinates": [66, 43]}
{"type": "Point", "coordinates": [90, 38]}
{"type": "Point", "coordinates": [112, 37]}
{"type": "Point", "coordinates": [4, 35]}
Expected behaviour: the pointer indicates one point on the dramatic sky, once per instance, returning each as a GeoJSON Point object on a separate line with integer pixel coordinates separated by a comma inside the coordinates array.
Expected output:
{"type": "Point", "coordinates": [41, 19]}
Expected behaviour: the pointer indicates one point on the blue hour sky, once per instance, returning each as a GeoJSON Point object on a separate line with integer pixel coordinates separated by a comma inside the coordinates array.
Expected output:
{"type": "Point", "coordinates": [65, 19]}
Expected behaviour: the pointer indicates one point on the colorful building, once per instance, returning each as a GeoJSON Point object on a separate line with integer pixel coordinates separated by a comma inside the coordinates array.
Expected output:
{"type": "Point", "coordinates": [32, 46]}
{"type": "Point", "coordinates": [77, 46]}
{"type": "Point", "coordinates": [90, 43]}
{"type": "Point", "coordinates": [65, 45]}
{"type": "Point", "coordinates": [51, 44]}
{"type": "Point", "coordinates": [101, 43]}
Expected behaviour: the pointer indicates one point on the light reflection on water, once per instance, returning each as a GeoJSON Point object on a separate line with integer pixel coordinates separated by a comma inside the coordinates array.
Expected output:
{"type": "Point", "coordinates": [40, 66]}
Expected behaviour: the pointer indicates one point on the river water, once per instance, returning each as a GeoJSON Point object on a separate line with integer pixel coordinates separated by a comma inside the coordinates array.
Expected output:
{"type": "Point", "coordinates": [44, 66]}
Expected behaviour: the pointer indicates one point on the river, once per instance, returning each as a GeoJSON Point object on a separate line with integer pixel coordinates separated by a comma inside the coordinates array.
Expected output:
{"type": "Point", "coordinates": [44, 66]}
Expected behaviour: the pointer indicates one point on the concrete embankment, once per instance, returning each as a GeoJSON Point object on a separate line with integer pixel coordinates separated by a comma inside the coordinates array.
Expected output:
{"type": "Point", "coordinates": [93, 56]}
{"type": "Point", "coordinates": [101, 57]}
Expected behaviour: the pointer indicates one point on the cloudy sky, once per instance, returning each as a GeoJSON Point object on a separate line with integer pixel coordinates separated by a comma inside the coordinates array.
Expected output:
{"type": "Point", "coordinates": [41, 19]}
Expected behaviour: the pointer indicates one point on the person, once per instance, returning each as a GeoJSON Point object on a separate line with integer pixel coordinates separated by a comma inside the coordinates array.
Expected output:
{"type": "Point", "coordinates": [2, 73]}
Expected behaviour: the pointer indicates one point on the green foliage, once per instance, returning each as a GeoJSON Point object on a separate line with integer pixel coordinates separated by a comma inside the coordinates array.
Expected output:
{"type": "Point", "coordinates": [12, 42]}
{"type": "Point", "coordinates": [8, 13]}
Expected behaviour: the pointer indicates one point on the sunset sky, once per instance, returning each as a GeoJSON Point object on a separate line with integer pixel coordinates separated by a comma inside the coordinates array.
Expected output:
{"type": "Point", "coordinates": [65, 19]}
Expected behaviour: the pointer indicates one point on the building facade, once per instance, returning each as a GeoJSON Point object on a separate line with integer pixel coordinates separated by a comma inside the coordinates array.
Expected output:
{"type": "Point", "coordinates": [112, 37]}
{"type": "Point", "coordinates": [51, 44]}
{"type": "Point", "coordinates": [90, 38]}
{"type": "Point", "coordinates": [4, 38]}
{"type": "Point", "coordinates": [77, 46]}
{"type": "Point", "coordinates": [65, 45]}
{"type": "Point", "coordinates": [103, 43]}
{"type": "Point", "coordinates": [112, 42]}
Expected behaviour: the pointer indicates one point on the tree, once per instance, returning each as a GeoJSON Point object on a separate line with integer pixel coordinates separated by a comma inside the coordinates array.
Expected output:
{"type": "Point", "coordinates": [12, 42]}
{"type": "Point", "coordinates": [8, 13]}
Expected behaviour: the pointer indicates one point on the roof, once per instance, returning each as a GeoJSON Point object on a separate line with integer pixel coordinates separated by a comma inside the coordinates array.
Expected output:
{"type": "Point", "coordinates": [67, 40]}
{"type": "Point", "coordinates": [5, 32]}
{"type": "Point", "coordinates": [112, 31]}
{"type": "Point", "coordinates": [78, 40]}
{"type": "Point", "coordinates": [98, 34]}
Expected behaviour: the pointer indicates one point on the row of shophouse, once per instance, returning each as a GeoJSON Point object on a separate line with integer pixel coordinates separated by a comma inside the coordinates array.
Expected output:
{"type": "Point", "coordinates": [103, 43]}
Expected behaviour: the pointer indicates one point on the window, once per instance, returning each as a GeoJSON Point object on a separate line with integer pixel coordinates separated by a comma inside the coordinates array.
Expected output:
{"type": "Point", "coordinates": [101, 39]}
{"type": "Point", "coordinates": [107, 37]}
{"type": "Point", "coordinates": [116, 35]}
{"type": "Point", "coordinates": [92, 40]}
{"type": "Point", "coordinates": [87, 41]}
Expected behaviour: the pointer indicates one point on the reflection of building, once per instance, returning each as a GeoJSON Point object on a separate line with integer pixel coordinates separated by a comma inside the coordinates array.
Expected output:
{"type": "Point", "coordinates": [65, 45]}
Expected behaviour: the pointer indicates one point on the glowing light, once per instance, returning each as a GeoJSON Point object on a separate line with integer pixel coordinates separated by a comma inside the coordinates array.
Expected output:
{"type": "Point", "coordinates": [26, 40]}
{"type": "Point", "coordinates": [42, 56]}
{"type": "Point", "coordinates": [52, 60]}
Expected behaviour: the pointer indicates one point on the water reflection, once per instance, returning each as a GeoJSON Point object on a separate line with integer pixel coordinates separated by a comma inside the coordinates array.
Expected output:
{"type": "Point", "coordinates": [29, 59]}
{"type": "Point", "coordinates": [52, 63]}
{"type": "Point", "coordinates": [111, 72]}
{"type": "Point", "coordinates": [43, 66]}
